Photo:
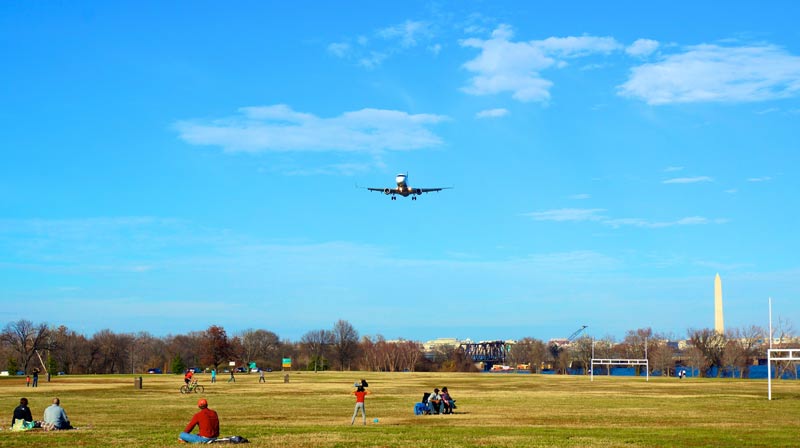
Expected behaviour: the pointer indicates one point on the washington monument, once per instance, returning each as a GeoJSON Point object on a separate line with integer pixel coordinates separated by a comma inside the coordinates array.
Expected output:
{"type": "Point", "coordinates": [719, 323]}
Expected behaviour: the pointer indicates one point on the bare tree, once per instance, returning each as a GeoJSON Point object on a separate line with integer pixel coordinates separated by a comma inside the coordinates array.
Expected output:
{"type": "Point", "coordinates": [662, 356]}
{"type": "Point", "coordinates": [743, 347]}
{"type": "Point", "coordinates": [697, 360]}
{"type": "Point", "coordinates": [317, 343]}
{"type": "Point", "coordinates": [25, 339]}
{"type": "Point", "coordinates": [260, 346]}
{"type": "Point", "coordinates": [581, 351]}
{"type": "Point", "coordinates": [110, 352]}
{"type": "Point", "coordinates": [529, 351]}
{"type": "Point", "coordinates": [345, 343]}
{"type": "Point", "coordinates": [711, 344]}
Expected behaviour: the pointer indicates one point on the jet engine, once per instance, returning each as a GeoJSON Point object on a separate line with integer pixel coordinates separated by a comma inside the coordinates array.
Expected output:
{"type": "Point", "coordinates": [417, 191]}
{"type": "Point", "coordinates": [387, 191]}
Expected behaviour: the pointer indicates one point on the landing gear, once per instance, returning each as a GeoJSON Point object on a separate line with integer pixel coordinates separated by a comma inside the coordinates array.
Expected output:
{"type": "Point", "coordinates": [394, 198]}
{"type": "Point", "coordinates": [413, 198]}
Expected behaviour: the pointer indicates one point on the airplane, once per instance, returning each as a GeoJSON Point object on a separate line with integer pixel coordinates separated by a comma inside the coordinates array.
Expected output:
{"type": "Point", "coordinates": [404, 190]}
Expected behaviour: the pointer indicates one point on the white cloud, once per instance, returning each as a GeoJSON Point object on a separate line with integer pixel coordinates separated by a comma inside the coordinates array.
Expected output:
{"type": "Point", "coordinates": [506, 66]}
{"type": "Point", "coordinates": [642, 47]}
{"type": "Point", "coordinates": [638, 222]}
{"type": "Point", "coordinates": [713, 73]}
{"type": "Point", "coordinates": [572, 47]}
{"type": "Point", "coordinates": [688, 180]}
{"type": "Point", "coordinates": [568, 214]}
{"type": "Point", "coordinates": [371, 51]}
{"type": "Point", "coordinates": [768, 110]}
{"type": "Point", "coordinates": [278, 128]}
{"type": "Point", "coordinates": [672, 169]}
{"type": "Point", "coordinates": [372, 60]}
{"type": "Point", "coordinates": [759, 179]}
{"type": "Point", "coordinates": [492, 113]}
{"type": "Point", "coordinates": [339, 49]}
{"type": "Point", "coordinates": [408, 32]}
{"type": "Point", "coordinates": [731, 191]}
{"type": "Point", "coordinates": [595, 214]}
{"type": "Point", "coordinates": [580, 196]}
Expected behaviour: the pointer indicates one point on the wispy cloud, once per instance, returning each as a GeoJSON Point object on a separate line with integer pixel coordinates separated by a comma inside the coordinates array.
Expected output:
{"type": "Point", "coordinates": [278, 128]}
{"type": "Point", "coordinates": [714, 73]}
{"type": "Point", "coordinates": [371, 51]}
{"type": "Point", "coordinates": [580, 196]}
{"type": "Point", "coordinates": [760, 179]}
{"type": "Point", "coordinates": [638, 222]}
{"type": "Point", "coordinates": [642, 47]}
{"type": "Point", "coordinates": [688, 180]}
{"type": "Point", "coordinates": [507, 66]}
{"type": "Point", "coordinates": [407, 33]}
{"type": "Point", "coordinates": [339, 49]}
{"type": "Point", "coordinates": [596, 215]}
{"type": "Point", "coordinates": [568, 214]}
{"type": "Point", "coordinates": [492, 113]}
{"type": "Point", "coordinates": [672, 169]}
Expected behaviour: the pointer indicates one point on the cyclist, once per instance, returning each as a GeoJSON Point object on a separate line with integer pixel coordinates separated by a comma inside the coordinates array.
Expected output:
{"type": "Point", "coordinates": [187, 378]}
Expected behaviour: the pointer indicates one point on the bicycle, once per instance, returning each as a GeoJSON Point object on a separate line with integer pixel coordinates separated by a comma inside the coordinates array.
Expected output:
{"type": "Point", "coordinates": [193, 387]}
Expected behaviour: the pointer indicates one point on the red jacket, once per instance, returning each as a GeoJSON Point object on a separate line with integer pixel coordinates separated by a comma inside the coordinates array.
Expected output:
{"type": "Point", "coordinates": [208, 421]}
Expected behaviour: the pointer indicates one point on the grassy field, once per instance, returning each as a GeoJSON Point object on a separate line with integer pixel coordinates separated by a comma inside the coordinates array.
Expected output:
{"type": "Point", "coordinates": [494, 410]}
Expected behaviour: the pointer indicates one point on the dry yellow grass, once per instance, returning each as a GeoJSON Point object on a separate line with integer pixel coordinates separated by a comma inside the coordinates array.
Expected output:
{"type": "Point", "coordinates": [505, 410]}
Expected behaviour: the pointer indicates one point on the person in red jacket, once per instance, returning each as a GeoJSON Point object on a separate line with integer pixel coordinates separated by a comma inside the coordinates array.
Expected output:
{"type": "Point", "coordinates": [360, 394]}
{"type": "Point", "coordinates": [207, 420]}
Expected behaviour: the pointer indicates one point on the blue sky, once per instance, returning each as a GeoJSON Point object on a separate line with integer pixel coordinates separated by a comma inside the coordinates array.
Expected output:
{"type": "Point", "coordinates": [168, 166]}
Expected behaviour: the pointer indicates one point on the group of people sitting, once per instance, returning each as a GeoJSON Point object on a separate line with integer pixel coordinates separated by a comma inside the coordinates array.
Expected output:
{"type": "Point", "coordinates": [438, 402]}
{"type": "Point", "coordinates": [55, 417]}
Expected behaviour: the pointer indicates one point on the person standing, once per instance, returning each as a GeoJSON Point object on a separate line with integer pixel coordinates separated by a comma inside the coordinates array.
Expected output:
{"type": "Point", "coordinates": [28, 381]}
{"type": "Point", "coordinates": [35, 378]}
{"type": "Point", "coordinates": [232, 379]}
{"type": "Point", "coordinates": [55, 417]}
{"type": "Point", "coordinates": [213, 375]}
{"type": "Point", "coordinates": [261, 378]}
{"type": "Point", "coordinates": [206, 420]}
{"type": "Point", "coordinates": [360, 394]}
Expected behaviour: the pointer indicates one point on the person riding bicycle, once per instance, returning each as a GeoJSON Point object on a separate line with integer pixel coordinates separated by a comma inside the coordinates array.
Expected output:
{"type": "Point", "coordinates": [187, 378]}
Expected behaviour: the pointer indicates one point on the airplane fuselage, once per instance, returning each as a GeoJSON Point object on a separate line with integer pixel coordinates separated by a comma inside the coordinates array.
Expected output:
{"type": "Point", "coordinates": [403, 189]}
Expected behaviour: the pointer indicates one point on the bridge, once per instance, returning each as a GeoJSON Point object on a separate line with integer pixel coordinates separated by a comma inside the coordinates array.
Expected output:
{"type": "Point", "coordinates": [487, 352]}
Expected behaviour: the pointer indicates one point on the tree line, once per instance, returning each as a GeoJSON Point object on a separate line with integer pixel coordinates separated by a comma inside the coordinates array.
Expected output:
{"type": "Point", "coordinates": [25, 346]}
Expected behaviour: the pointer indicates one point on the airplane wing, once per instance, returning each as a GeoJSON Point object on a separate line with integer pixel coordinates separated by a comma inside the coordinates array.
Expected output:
{"type": "Point", "coordinates": [384, 190]}
{"type": "Point", "coordinates": [428, 190]}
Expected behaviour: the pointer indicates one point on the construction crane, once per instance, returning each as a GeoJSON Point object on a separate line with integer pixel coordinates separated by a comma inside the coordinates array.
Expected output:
{"type": "Point", "coordinates": [577, 333]}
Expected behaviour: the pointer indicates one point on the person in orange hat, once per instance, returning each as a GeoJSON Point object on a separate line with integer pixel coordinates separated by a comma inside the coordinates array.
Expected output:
{"type": "Point", "coordinates": [207, 420]}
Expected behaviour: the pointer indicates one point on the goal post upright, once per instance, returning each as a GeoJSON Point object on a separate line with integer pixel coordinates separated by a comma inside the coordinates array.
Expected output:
{"type": "Point", "coordinates": [618, 362]}
{"type": "Point", "coordinates": [791, 354]}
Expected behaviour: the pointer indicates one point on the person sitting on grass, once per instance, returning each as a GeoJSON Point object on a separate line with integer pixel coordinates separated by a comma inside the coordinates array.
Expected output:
{"type": "Point", "coordinates": [208, 422]}
{"type": "Point", "coordinates": [448, 404]}
{"type": "Point", "coordinates": [55, 417]}
{"type": "Point", "coordinates": [22, 418]}
{"type": "Point", "coordinates": [435, 402]}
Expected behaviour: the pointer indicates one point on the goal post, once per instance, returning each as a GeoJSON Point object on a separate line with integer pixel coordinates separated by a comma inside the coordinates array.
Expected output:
{"type": "Point", "coordinates": [620, 362]}
{"type": "Point", "coordinates": [779, 354]}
